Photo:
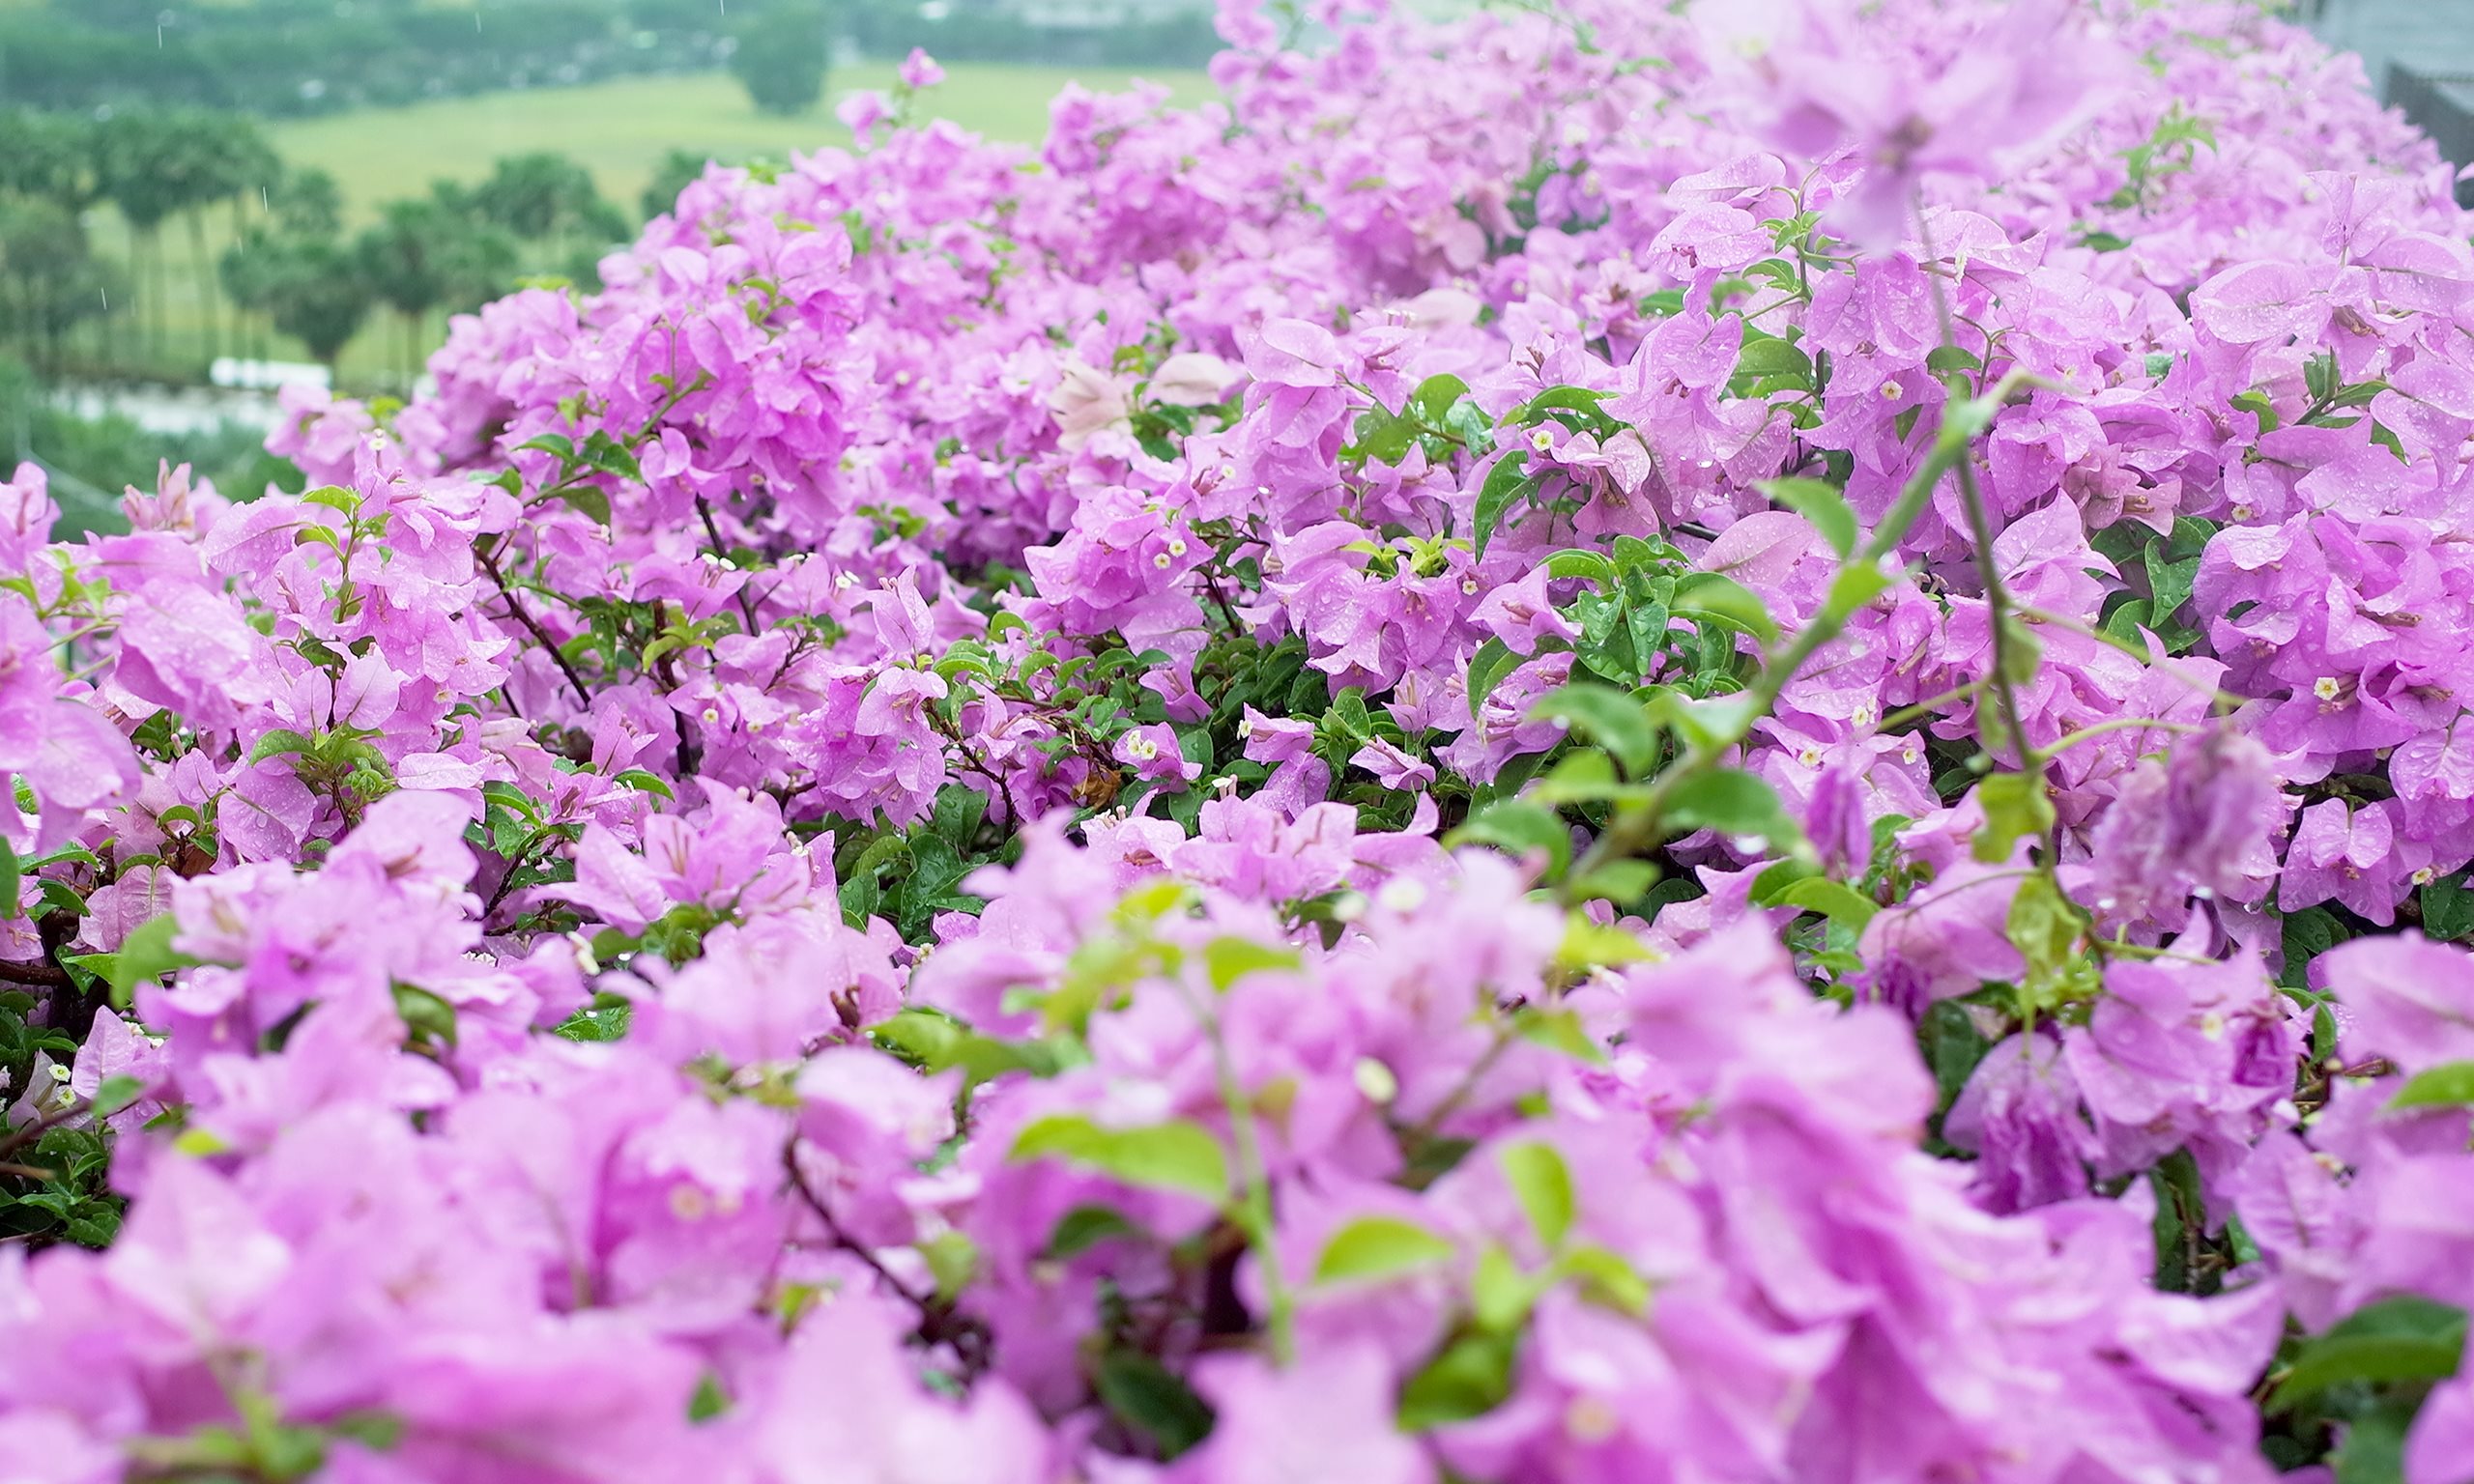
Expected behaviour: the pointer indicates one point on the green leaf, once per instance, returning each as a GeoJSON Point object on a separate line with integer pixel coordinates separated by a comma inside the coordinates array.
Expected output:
{"type": "Point", "coordinates": [1558, 1030]}
{"type": "Point", "coordinates": [1148, 1397]}
{"type": "Point", "coordinates": [424, 1014]}
{"type": "Point", "coordinates": [606, 1018]}
{"type": "Point", "coordinates": [1383, 436]}
{"type": "Point", "coordinates": [2255, 403]}
{"type": "Point", "coordinates": [1612, 718]}
{"type": "Point", "coordinates": [146, 953]}
{"type": "Point", "coordinates": [1823, 505]}
{"type": "Point", "coordinates": [1711, 726]}
{"type": "Point", "coordinates": [1431, 403]}
{"type": "Point", "coordinates": [10, 907]}
{"type": "Point", "coordinates": [1833, 900]}
{"type": "Point", "coordinates": [1471, 1377]}
{"type": "Point", "coordinates": [1506, 482]}
{"type": "Point", "coordinates": [2307, 934]}
{"type": "Point", "coordinates": [279, 743]}
{"type": "Point", "coordinates": [1774, 879]}
{"type": "Point", "coordinates": [1857, 584]}
{"type": "Point", "coordinates": [2448, 1085]}
{"type": "Point", "coordinates": [587, 500]}
{"type": "Point", "coordinates": [2045, 926]}
{"type": "Point", "coordinates": [1487, 667]}
{"type": "Point", "coordinates": [1519, 827]}
{"type": "Point", "coordinates": [2447, 909]}
{"type": "Point", "coordinates": [1580, 561]}
{"type": "Point", "coordinates": [1953, 1046]}
{"type": "Point", "coordinates": [2373, 1451]}
{"type": "Point", "coordinates": [2016, 807]}
{"type": "Point", "coordinates": [1773, 356]}
{"type": "Point", "coordinates": [2393, 1340]}
{"type": "Point", "coordinates": [1731, 801]}
{"type": "Point", "coordinates": [644, 782]}
{"type": "Point", "coordinates": [1373, 1247]}
{"type": "Point", "coordinates": [1543, 1184]}
{"type": "Point", "coordinates": [611, 456]}
{"type": "Point", "coordinates": [1558, 399]}
{"type": "Point", "coordinates": [1587, 944]}
{"type": "Point", "coordinates": [1230, 959]}
{"type": "Point", "coordinates": [116, 1093]}
{"type": "Point", "coordinates": [1717, 597]}
{"type": "Point", "coordinates": [1500, 1294]}
{"type": "Point", "coordinates": [1616, 881]}
{"type": "Point", "coordinates": [1181, 1156]}
{"type": "Point", "coordinates": [1085, 1227]}
{"type": "Point", "coordinates": [2128, 621]}
{"type": "Point", "coordinates": [1605, 1279]}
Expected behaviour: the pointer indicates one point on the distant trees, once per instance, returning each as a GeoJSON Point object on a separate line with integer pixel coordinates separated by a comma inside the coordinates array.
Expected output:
{"type": "Point", "coordinates": [450, 250]}
{"type": "Point", "coordinates": [303, 56]}
{"type": "Point", "coordinates": [780, 58]}
{"type": "Point", "coordinates": [435, 253]}
{"type": "Point", "coordinates": [50, 281]}
{"type": "Point", "coordinates": [315, 289]}
{"type": "Point", "coordinates": [153, 163]}
{"type": "Point", "coordinates": [550, 202]}
{"type": "Point", "coordinates": [290, 259]}
{"type": "Point", "coordinates": [678, 169]}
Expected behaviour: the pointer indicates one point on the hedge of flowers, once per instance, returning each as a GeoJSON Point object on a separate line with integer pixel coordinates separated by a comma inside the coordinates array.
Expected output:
{"type": "Point", "coordinates": [1613, 742]}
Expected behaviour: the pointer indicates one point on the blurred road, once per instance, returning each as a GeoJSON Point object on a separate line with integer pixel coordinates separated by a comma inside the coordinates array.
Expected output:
{"type": "Point", "coordinates": [2429, 35]}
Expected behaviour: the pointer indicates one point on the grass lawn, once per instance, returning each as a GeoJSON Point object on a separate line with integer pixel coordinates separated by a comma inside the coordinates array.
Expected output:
{"type": "Point", "coordinates": [619, 129]}
{"type": "Point", "coordinates": [622, 130]}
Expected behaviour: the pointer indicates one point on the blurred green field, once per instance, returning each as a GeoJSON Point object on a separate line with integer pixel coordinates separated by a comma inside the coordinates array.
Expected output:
{"type": "Point", "coordinates": [621, 130]}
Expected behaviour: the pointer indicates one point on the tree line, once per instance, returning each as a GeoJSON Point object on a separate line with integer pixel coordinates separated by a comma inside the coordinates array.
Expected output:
{"type": "Point", "coordinates": [315, 56]}
{"type": "Point", "coordinates": [288, 261]}
{"type": "Point", "coordinates": [292, 57]}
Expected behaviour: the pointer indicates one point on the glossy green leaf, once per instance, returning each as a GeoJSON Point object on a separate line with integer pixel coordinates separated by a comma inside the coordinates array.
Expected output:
{"type": "Point", "coordinates": [1713, 596]}
{"type": "Point", "coordinates": [1611, 718]}
{"type": "Point", "coordinates": [1731, 801]}
{"type": "Point", "coordinates": [1179, 1157]}
{"type": "Point", "coordinates": [1375, 1247]}
{"type": "Point", "coordinates": [2450, 1084]}
{"type": "Point", "coordinates": [1519, 827]}
{"type": "Point", "coordinates": [1543, 1183]}
{"type": "Point", "coordinates": [2016, 807]}
{"type": "Point", "coordinates": [2401, 1339]}
{"type": "Point", "coordinates": [1823, 505]}
{"type": "Point", "coordinates": [1229, 959]}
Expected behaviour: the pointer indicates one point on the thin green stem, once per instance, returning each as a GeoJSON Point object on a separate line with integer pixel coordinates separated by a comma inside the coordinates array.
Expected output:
{"type": "Point", "coordinates": [1254, 1210]}
{"type": "Point", "coordinates": [1997, 595]}
{"type": "Point", "coordinates": [1635, 826]}
{"type": "Point", "coordinates": [2118, 723]}
{"type": "Point", "coordinates": [1928, 706]}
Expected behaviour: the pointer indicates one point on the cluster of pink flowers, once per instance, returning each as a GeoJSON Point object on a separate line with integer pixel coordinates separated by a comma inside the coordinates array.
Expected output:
{"type": "Point", "coordinates": [1690, 743]}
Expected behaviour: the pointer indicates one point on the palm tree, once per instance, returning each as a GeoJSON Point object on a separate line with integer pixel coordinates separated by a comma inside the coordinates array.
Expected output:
{"type": "Point", "coordinates": [434, 253]}
{"type": "Point", "coordinates": [154, 162]}
{"type": "Point", "coordinates": [233, 160]}
{"type": "Point", "coordinates": [316, 289]}
{"type": "Point", "coordinates": [133, 168]}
